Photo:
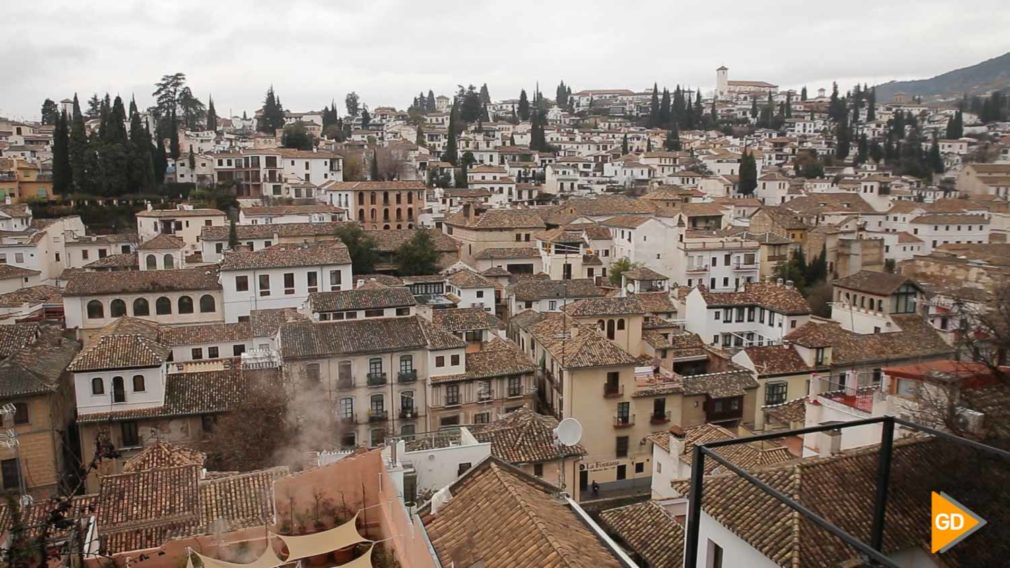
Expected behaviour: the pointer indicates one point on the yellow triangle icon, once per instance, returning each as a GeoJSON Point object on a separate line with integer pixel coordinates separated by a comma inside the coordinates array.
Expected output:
{"type": "Point", "coordinates": [952, 522]}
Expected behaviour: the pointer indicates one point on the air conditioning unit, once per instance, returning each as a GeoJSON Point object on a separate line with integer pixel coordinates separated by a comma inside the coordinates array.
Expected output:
{"type": "Point", "coordinates": [970, 420]}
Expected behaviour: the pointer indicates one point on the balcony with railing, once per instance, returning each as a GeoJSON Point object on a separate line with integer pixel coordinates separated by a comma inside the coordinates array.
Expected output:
{"type": "Point", "coordinates": [624, 420]}
{"type": "Point", "coordinates": [858, 397]}
{"type": "Point", "coordinates": [378, 415]}
{"type": "Point", "coordinates": [345, 383]}
{"type": "Point", "coordinates": [408, 413]}
{"type": "Point", "coordinates": [659, 417]}
{"type": "Point", "coordinates": [407, 376]}
{"type": "Point", "coordinates": [484, 395]}
{"type": "Point", "coordinates": [352, 419]}
{"type": "Point", "coordinates": [745, 266]}
{"type": "Point", "coordinates": [613, 391]}
{"type": "Point", "coordinates": [697, 269]}
{"type": "Point", "coordinates": [376, 379]}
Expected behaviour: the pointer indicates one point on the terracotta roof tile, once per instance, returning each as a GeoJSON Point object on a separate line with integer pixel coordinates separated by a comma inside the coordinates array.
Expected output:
{"type": "Point", "coordinates": [649, 531]}
{"type": "Point", "coordinates": [288, 255]}
{"type": "Point", "coordinates": [523, 436]}
{"type": "Point", "coordinates": [361, 299]}
{"type": "Point", "coordinates": [142, 281]}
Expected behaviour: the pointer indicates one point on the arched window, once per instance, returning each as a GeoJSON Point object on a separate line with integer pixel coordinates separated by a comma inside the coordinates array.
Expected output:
{"type": "Point", "coordinates": [95, 310]}
{"type": "Point", "coordinates": [601, 325]}
{"type": "Point", "coordinates": [152, 262]}
{"type": "Point", "coordinates": [385, 214]}
{"type": "Point", "coordinates": [138, 383]}
{"type": "Point", "coordinates": [185, 305]}
{"type": "Point", "coordinates": [620, 324]}
{"type": "Point", "coordinates": [361, 198]}
{"type": "Point", "coordinates": [163, 306]}
{"type": "Point", "coordinates": [361, 215]}
{"type": "Point", "coordinates": [207, 303]}
{"type": "Point", "coordinates": [169, 261]}
{"type": "Point", "coordinates": [97, 386]}
{"type": "Point", "coordinates": [118, 390]}
{"type": "Point", "coordinates": [117, 308]}
{"type": "Point", "coordinates": [372, 214]}
{"type": "Point", "coordinates": [371, 198]}
{"type": "Point", "coordinates": [141, 307]}
{"type": "Point", "coordinates": [610, 329]}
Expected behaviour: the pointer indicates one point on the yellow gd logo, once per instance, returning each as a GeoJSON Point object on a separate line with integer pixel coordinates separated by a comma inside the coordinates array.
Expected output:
{"type": "Point", "coordinates": [952, 522]}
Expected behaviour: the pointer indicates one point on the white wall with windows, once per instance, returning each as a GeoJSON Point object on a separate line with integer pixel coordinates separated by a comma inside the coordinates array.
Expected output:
{"type": "Point", "coordinates": [120, 389]}
{"type": "Point", "coordinates": [197, 306]}
{"type": "Point", "coordinates": [270, 288]}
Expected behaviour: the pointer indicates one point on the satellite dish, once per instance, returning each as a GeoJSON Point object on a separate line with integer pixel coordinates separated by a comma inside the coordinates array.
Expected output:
{"type": "Point", "coordinates": [568, 432]}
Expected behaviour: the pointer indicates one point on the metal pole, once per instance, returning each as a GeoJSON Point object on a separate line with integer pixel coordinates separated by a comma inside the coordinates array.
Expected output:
{"type": "Point", "coordinates": [796, 506]}
{"type": "Point", "coordinates": [883, 479]}
{"type": "Point", "coordinates": [694, 507]}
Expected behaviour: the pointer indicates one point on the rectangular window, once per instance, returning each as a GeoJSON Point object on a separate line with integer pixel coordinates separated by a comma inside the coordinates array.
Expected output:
{"type": "Point", "coordinates": [621, 450]}
{"type": "Point", "coordinates": [20, 413]}
{"type": "Point", "coordinates": [538, 469]}
{"type": "Point", "coordinates": [242, 283]}
{"type": "Point", "coordinates": [131, 435]}
{"type": "Point", "coordinates": [515, 386]}
{"type": "Point", "coordinates": [11, 474]}
{"type": "Point", "coordinates": [454, 359]}
{"type": "Point", "coordinates": [237, 350]}
{"type": "Point", "coordinates": [197, 353]}
{"type": "Point", "coordinates": [346, 408]}
{"type": "Point", "coordinates": [440, 361]}
{"type": "Point", "coordinates": [312, 373]}
{"type": "Point", "coordinates": [452, 395]}
{"type": "Point", "coordinates": [775, 393]}
{"type": "Point", "coordinates": [482, 418]}
{"type": "Point", "coordinates": [212, 353]}
{"type": "Point", "coordinates": [312, 281]}
{"type": "Point", "coordinates": [264, 281]}
{"type": "Point", "coordinates": [403, 311]}
{"type": "Point", "coordinates": [335, 280]}
{"type": "Point", "coordinates": [289, 283]}
{"type": "Point", "coordinates": [714, 556]}
{"type": "Point", "coordinates": [449, 421]}
{"type": "Point", "coordinates": [373, 313]}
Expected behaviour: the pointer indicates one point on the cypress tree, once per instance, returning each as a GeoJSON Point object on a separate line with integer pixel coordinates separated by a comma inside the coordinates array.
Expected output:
{"type": "Point", "coordinates": [160, 161]}
{"type": "Point", "coordinates": [871, 105]}
{"type": "Point", "coordinates": [173, 135]}
{"type": "Point", "coordinates": [748, 173]}
{"type": "Point", "coordinates": [450, 155]}
{"type": "Point", "coordinates": [212, 115]}
{"type": "Point", "coordinates": [664, 109]}
{"type": "Point", "coordinates": [803, 93]}
{"type": "Point", "coordinates": [789, 104]}
{"type": "Point", "coordinates": [77, 149]}
{"type": "Point", "coordinates": [862, 149]}
{"type": "Point", "coordinates": [431, 106]}
{"type": "Point", "coordinates": [935, 159]}
{"type": "Point", "coordinates": [624, 145]}
{"type": "Point", "coordinates": [653, 108]}
{"type": "Point", "coordinates": [62, 174]}
{"type": "Point", "coordinates": [524, 106]}
{"type": "Point", "coordinates": [672, 142]}
{"type": "Point", "coordinates": [373, 172]}
{"type": "Point", "coordinates": [485, 96]}
{"type": "Point", "coordinates": [141, 164]}
{"type": "Point", "coordinates": [754, 108]}
{"type": "Point", "coordinates": [232, 234]}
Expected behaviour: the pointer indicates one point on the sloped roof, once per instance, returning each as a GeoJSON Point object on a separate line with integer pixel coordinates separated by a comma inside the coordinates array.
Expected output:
{"type": "Point", "coordinates": [502, 517]}
{"type": "Point", "coordinates": [361, 299]}
{"type": "Point", "coordinates": [779, 298]}
{"type": "Point", "coordinates": [163, 242]}
{"type": "Point", "coordinates": [523, 436]}
{"type": "Point", "coordinates": [648, 530]}
{"type": "Point", "coordinates": [466, 319]}
{"type": "Point", "coordinates": [916, 340]}
{"type": "Point", "coordinates": [288, 255]}
{"type": "Point", "coordinates": [306, 339]}
{"type": "Point", "coordinates": [870, 282]}
{"type": "Point", "coordinates": [531, 290]}
{"type": "Point", "coordinates": [142, 281]}
{"type": "Point", "coordinates": [497, 358]}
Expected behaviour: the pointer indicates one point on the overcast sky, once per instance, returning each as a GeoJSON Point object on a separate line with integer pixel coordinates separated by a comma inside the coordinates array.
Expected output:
{"type": "Point", "coordinates": [313, 51]}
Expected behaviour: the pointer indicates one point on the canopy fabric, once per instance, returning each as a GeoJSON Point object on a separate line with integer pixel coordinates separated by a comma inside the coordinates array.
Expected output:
{"type": "Point", "coordinates": [268, 559]}
{"type": "Point", "coordinates": [324, 542]}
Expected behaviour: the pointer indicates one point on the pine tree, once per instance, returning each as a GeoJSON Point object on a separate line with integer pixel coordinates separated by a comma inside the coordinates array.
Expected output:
{"type": "Point", "coordinates": [62, 174]}
{"type": "Point", "coordinates": [211, 115]}
{"type": "Point", "coordinates": [353, 104]}
{"type": "Point", "coordinates": [78, 149]}
{"type": "Point", "coordinates": [524, 106]}
{"type": "Point", "coordinates": [450, 155]}
{"type": "Point", "coordinates": [803, 93]}
{"type": "Point", "coordinates": [94, 106]}
{"type": "Point", "coordinates": [50, 113]}
{"type": "Point", "coordinates": [272, 117]}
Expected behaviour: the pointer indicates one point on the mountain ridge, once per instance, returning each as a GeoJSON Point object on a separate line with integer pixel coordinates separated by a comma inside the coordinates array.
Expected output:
{"type": "Point", "coordinates": [989, 75]}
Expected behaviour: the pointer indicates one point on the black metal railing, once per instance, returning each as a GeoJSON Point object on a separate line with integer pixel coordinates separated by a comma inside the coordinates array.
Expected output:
{"type": "Point", "coordinates": [873, 551]}
{"type": "Point", "coordinates": [407, 376]}
{"type": "Point", "coordinates": [376, 379]}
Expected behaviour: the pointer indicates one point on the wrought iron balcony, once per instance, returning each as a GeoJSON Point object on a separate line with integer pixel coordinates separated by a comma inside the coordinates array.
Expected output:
{"type": "Point", "coordinates": [376, 379]}
{"type": "Point", "coordinates": [659, 417]}
{"type": "Point", "coordinates": [613, 391]}
{"type": "Point", "coordinates": [378, 415]}
{"type": "Point", "coordinates": [345, 383]}
{"type": "Point", "coordinates": [408, 413]}
{"type": "Point", "coordinates": [407, 376]}
{"type": "Point", "coordinates": [624, 421]}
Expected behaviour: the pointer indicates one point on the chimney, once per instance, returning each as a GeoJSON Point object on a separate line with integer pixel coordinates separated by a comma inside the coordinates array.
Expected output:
{"type": "Point", "coordinates": [789, 283]}
{"type": "Point", "coordinates": [830, 443]}
{"type": "Point", "coordinates": [778, 282]}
